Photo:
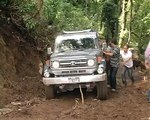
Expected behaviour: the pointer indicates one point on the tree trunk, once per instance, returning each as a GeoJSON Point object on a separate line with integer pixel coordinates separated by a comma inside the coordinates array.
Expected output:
{"type": "Point", "coordinates": [130, 23]}
{"type": "Point", "coordinates": [122, 22]}
{"type": "Point", "coordinates": [117, 20]}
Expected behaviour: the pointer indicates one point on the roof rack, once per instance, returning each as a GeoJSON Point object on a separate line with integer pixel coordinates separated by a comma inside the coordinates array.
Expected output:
{"type": "Point", "coordinates": [70, 32]}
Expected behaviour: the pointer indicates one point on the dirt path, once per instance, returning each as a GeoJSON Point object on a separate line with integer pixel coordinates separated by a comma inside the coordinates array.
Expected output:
{"type": "Point", "coordinates": [128, 103]}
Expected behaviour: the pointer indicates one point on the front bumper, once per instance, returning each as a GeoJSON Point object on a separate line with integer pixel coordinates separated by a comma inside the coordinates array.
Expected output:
{"type": "Point", "coordinates": [74, 79]}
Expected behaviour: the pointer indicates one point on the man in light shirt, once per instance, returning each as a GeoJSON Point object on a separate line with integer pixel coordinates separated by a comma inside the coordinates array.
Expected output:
{"type": "Point", "coordinates": [127, 63]}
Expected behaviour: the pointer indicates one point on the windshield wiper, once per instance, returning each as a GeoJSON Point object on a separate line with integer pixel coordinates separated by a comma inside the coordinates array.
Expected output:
{"type": "Point", "coordinates": [79, 49]}
{"type": "Point", "coordinates": [61, 51]}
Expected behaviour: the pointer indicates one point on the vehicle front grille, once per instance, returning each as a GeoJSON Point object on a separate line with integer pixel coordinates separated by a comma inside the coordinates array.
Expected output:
{"type": "Point", "coordinates": [73, 63]}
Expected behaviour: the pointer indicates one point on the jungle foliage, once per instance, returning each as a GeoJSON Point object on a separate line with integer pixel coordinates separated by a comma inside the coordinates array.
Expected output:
{"type": "Point", "coordinates": [127, 21]}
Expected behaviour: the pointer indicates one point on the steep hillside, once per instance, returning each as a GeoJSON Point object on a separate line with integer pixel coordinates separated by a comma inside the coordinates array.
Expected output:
{"type": "Point", "coordinates": [19, 60]}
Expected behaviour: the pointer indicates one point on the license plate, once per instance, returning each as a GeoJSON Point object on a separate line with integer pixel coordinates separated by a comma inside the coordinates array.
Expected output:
{"type": "Point", "coordinates": [74, 79]}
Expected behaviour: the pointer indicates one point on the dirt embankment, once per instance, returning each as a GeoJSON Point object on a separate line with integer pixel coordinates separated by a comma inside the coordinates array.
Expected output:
{"type": "Point", "coordinates": [19, 62]}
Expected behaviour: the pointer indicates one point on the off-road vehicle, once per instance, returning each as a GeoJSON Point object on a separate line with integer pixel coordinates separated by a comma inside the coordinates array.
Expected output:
{"type": "Point", "coordinates": [76, 59]}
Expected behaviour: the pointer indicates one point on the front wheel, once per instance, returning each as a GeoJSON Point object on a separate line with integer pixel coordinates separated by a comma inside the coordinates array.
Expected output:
{"type": "Point", "coordinates": [102, 90]}
{"type": "Point", "coordinates": [50, 92]}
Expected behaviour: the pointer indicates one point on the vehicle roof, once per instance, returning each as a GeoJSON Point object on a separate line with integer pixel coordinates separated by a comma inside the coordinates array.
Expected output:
{"type": "Point", "coordinates": [76, 35]}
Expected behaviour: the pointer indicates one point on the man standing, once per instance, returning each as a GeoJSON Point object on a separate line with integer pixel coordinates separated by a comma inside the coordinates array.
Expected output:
{"type": "Point", "coordinates": [126, 55]}
{"type": "Point", "coordinates": [107, 59]}
{"type": "Point", "coordinates": [114, 63]}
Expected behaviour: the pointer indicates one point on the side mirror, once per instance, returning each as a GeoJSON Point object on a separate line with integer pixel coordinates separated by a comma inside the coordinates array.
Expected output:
{"type": "Point", "coordinates": [49, 51]}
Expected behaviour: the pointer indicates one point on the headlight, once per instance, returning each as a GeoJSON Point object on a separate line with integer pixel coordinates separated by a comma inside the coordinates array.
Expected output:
{"type": "Point", "coordinates": [90, 62]}
{"type": "Point", "coordinates": [46, 74]}
{"type": "Point", "coordinates": [55, 64]}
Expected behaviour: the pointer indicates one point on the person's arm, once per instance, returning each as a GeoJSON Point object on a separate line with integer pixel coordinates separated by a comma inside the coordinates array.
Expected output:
{"type": "Point", "coordinates": [113, 52]}
{"type": "Point", "coordinates": [108, 53]}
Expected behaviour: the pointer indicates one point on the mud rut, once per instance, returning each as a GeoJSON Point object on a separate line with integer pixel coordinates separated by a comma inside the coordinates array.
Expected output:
{"type": "Point", "coordinates": [128, 103]}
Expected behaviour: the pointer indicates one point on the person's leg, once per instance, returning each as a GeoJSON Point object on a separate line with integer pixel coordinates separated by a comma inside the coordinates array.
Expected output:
{"type": "Point", "coordinates": [108, 72]}
{"type": "Point", "coordinates": [130, 74]}
{"type": "Point", "coordinates": [123, 75]}
{"type": "Point", "coordinates": [113, 77]}
{"type": "Point", "coordinates": [110, 76]}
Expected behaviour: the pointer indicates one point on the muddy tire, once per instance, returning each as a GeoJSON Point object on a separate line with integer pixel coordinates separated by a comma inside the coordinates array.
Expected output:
{"type": "Point", "coordinates": [102, 90]}
{"type": "Point", "coordinates": [50, 92]}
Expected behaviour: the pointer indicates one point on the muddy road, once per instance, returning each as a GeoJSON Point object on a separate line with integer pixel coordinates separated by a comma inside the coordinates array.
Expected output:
{"type": "Point", "coordinates": [128, 103]}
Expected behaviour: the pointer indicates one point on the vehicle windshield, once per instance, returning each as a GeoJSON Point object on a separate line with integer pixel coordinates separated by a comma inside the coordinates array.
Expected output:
{"type": "Point", "coordinates": [76, 44]}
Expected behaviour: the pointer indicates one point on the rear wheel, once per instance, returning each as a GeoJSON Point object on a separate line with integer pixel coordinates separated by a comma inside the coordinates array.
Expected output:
{"type": "Point", "coordinates": [102, 90]}
{"type": "Point", "coordinates": [50, 92]}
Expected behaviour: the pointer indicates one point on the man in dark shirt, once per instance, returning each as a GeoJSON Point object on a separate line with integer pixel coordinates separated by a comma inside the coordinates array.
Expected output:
{"type": "Point", "coordinates": [114, 63]}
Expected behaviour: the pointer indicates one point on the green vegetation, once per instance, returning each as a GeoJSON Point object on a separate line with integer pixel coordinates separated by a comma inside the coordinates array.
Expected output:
{"type": "Point", "coordinates": [127, 21]}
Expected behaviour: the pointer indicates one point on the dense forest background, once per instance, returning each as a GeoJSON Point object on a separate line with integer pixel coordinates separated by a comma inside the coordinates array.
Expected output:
{"type": "Point", "coordinates": [127, 21]}
{"type": "Point", "coordinates": [27, 27]}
